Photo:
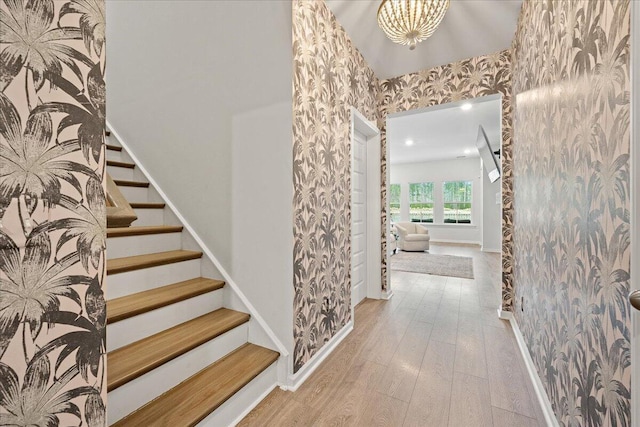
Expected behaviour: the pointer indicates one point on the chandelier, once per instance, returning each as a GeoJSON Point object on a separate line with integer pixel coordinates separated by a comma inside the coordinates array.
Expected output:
{"type": "Point", "coordinates": [408, 22]}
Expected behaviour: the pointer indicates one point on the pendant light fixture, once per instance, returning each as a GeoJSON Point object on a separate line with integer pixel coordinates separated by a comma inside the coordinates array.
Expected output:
{"type": "Point", "coordinates": [409, 22]}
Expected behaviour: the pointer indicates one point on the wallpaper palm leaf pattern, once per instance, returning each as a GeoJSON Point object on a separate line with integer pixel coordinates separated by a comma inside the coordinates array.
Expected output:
{"type": "Point", "coordinates": [33, 43]}
{"type": "Point", "coordinates": [52, 209]}
{"type": "Point", "coordinates": [571, 167]}
{"type": "Point", "coordinates": [470, 78]}
{"type": "Point", "coordinates": [329, 77]}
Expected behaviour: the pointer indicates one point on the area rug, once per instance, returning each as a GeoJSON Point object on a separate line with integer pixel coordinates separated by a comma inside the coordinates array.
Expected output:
{"type": "Point", "coordinates": [438, 265]}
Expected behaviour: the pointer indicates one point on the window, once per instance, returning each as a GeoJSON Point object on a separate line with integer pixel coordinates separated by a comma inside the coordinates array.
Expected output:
{"type": "Point", "coordinates": [421, 202]}
{"type": "Point", "coordinates": [457, 202]}
{"type": "Point", "coordinates": [394, 202]}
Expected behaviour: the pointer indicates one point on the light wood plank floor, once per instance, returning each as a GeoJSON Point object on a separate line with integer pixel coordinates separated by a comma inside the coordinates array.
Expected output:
{"type": "Point", "coordinates": [436, 354]}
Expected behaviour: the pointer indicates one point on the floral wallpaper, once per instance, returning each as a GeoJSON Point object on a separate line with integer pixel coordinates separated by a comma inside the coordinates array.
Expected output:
{"type": "Point", "coordinates": [470, 78]}
{"type": "Point", "coordinates": [571, 168]}
{"type": "Point", "coordinates": [329, 77]}
{"type": "Point", "coordinates": [52, 213]}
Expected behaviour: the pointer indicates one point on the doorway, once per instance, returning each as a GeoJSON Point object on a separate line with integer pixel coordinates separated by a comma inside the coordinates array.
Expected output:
{"type": "Point", "coordinates": [444, 180]}
{"type": "Point", "coordinates": [366, 242]}
{"type": "Point", "coordinates": [359, 217]}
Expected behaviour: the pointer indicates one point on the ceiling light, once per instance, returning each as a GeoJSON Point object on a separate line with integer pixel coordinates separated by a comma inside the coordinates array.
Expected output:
{"type": "Point", "coordinates": [409, 142]}
{"type": "Point", "coordinates": [467, 151]}
{"type": "Point", "coordinates": [466, 106]}
{"type": "Point", "coordinates": [409, 22]}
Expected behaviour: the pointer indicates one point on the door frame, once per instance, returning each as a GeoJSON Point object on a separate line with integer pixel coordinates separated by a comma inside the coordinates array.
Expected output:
{"type": "Point", "coordinates": [374, 206]}
{"type": "Point", "coordinates": [634, 192]}
{"type": "Point", "coordinates": [452, 104]}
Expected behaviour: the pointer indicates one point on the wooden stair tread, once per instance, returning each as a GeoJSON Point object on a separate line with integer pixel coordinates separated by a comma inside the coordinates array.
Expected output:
{"type": "Point", "coordinates": [192, 400]}
{"type": "Point", "coordinates": [143, 230]}
{"type": "Point", "coordinates": [120, 164]}
{"type": "Point", "coordinates": [124, 183]}
{"type": "Point", "coordinates": [121, 265]}
{"type": "Point", "coordinates": [142, 302]}
{"type": "Point", "coordinates": [140, 357]}
{"type": "Point", "coordinates": [114, 147]}
{"type": "Point", "coordinates": [145, 205]}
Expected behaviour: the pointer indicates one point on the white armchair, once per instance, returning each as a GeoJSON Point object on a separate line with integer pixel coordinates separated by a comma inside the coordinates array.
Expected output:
{"type": "Point", "coordinates": [392, 243]}
{"type": "Point", "coordinates": [412, 237]}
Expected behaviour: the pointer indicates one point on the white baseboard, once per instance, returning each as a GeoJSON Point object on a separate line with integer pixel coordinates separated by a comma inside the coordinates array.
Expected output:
{"type": "Point", "coordinates": [541, 394]}
{"type": "Point", "coordinates": [386, 295]}
{"type": "Point", "coordinates": [297, 379]}
{"type": "Point", "coordinates": [459, 242]}
{"type": "Point", "coordinates": [504, 315]}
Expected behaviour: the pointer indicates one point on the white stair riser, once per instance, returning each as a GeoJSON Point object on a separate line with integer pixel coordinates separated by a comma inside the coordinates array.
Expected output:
{"type": "Point", "coordinates": [115, 155]}
{"type": "Point", "coordinates": [131, 282]}
{"type": "Point", "coordinates": [135, 194]}
{"type": "Point", "coordinates": [144, 325]}
{"type": "Point", "coordinates": [119, 247]}
{"type": "Point", "coordinates": [136, 393]}
{"type": "Point", "coordinates": [244, 400]}
{"type": "Point", "coordinates": [118, 172]}
{"type": "Point", "coordinates": [149, 217]}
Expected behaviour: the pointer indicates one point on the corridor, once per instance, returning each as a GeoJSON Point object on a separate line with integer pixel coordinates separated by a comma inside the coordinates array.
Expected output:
{"type": "Point", "coordinates": [434, 355]}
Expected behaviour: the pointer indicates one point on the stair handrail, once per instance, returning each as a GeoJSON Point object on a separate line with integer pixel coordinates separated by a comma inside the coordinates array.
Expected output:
{"type": "Point", "coordinates": [119, 211]}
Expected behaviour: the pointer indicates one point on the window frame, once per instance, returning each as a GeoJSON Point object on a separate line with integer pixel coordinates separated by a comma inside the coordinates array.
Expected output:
{"type": "Point", "coordinates": [457, 221]}
{"type": "Point", "coordinates": [423, 202]}
{"type": "Point", "coordinates": [399, 203]}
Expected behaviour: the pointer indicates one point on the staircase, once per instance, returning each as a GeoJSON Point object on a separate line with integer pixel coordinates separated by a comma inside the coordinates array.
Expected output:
{"type": "Point", "coordinates": [176, 355]}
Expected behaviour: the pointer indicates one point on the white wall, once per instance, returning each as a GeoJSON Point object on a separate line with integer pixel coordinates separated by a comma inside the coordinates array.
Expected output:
{"type": "Point", "coordinates": [468, 169]}
{"type": "Point", "coordinates": [263, 250]}
{"type": "Point", "coordinates": [491, 214]}
{"type": "Point", "coordinates": [201, 91]}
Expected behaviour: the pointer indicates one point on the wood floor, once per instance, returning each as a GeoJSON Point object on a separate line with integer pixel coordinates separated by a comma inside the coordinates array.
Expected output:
{"type": "Point", "coordinates": [434, 355]}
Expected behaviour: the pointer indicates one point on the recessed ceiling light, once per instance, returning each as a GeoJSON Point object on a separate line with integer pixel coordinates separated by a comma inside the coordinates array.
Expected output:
{"type": "Point", "coordinates": [467, 151]}
{"type": "Point", "coordinates": [466, 106]}
{"type": "Point", "coordinates": [409, 142]}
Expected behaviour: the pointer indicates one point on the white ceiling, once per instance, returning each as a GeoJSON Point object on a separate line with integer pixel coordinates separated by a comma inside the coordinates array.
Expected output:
{"type": "Point", "coordinates": [443, 132]}
{"type": "Point", "coordinates": [470, 28]}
